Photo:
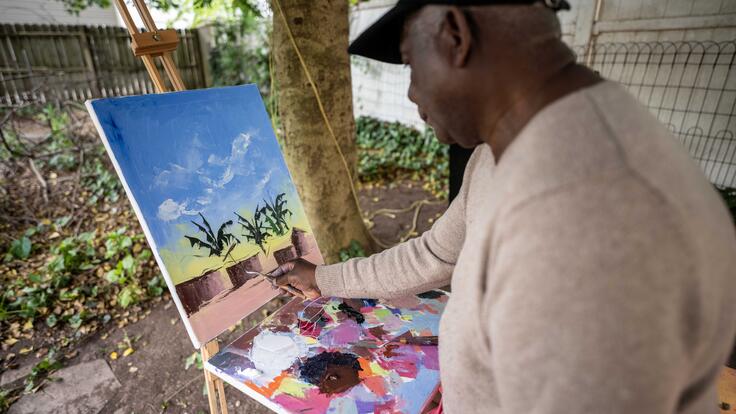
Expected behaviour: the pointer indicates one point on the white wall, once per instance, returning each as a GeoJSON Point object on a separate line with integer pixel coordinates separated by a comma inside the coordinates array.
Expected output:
{"type": "Point", "coordinates": [379, 89]}
{"type": "Point", "coordinates": [53, 12]}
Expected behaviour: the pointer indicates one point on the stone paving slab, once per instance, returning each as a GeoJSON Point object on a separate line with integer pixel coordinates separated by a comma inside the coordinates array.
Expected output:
{"type": "Point", "coordinates": [83, 388]}
{"type": "Point", "coordinates": [12, 375]}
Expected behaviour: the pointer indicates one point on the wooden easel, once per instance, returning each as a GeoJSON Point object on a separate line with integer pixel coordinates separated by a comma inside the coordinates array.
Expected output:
{"type": "Point", "coordinates": [148, 45]}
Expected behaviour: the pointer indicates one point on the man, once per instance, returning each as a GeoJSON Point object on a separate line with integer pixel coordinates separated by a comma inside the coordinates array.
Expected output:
{"type": "Point", "coordinates": [592, 264]}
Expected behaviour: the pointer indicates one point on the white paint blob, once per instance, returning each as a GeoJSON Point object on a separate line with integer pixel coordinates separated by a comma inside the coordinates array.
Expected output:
{"type": "Point", "coordinates": [249, 373]}
{"type": "Point", "coordinates": [273, 352]}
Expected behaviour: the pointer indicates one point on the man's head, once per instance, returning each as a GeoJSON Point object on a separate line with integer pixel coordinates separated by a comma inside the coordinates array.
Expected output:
{"type": "Point", "coordinates": [469, 64]}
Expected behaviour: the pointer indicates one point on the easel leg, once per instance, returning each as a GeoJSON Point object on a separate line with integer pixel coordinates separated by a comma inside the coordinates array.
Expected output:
{"type": "Point", "coordinates": [215, 388]}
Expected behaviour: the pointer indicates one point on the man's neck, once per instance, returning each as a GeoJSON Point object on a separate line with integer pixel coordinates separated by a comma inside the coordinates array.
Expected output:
{"type": "Point", "coordinates": [569, 78]}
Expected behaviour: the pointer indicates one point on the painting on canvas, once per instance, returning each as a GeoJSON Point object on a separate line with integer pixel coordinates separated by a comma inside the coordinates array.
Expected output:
{"type": "Point", "coordinates": [338, 356]}
{"type": "Point", "coordinates": [208, 182]}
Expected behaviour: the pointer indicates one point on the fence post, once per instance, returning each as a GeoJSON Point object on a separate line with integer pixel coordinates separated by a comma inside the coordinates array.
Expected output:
{"type": "Point", "coordinates": [89, 62]}
{"type": "Point", "coordinates": [204, 46]}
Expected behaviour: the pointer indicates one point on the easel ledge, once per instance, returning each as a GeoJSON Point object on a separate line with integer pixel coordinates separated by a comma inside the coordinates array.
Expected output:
{"type": "Point", "coordinates": [155, 43]}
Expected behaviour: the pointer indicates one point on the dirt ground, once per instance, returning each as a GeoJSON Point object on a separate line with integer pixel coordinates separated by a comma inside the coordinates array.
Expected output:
{"type": "Point", "coordinates": [153, 379]}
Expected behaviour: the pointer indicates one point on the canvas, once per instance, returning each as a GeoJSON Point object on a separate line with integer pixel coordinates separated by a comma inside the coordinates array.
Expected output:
{"type": "Point", "coordinates": [208, 182]}
{"type": "Point", "coordinates": [338, 356]}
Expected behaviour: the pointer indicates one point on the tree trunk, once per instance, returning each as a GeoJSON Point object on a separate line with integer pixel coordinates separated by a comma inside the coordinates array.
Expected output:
{"type": "Point", "coordinates": [320, 29]}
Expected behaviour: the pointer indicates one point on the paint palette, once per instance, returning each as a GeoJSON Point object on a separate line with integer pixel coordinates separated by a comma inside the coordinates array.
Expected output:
{"type": "Point", "coordinates": [338, 356]}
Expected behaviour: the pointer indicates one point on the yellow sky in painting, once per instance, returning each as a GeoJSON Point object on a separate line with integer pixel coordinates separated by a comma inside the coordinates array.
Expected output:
{"type": "Point", "coordinates": [186, 262]}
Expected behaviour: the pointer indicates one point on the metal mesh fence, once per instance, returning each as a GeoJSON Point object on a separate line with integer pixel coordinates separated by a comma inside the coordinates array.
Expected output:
{"type": "Point", "coordinates": [689, 86]}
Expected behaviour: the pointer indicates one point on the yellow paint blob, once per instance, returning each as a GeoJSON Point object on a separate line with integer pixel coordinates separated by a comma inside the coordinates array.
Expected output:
{"type": "Point", "coordinates": [293, 387]}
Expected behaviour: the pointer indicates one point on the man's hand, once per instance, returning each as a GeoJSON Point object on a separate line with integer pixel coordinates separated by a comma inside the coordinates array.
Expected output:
{"type": "Point", "coordinates": [298, 274]}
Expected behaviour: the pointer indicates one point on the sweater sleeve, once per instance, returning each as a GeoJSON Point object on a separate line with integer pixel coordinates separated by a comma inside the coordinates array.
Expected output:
{"type": "Point", "coordinates": [411, 267]}
{"type": "Point", "coordinates": [590, 304]}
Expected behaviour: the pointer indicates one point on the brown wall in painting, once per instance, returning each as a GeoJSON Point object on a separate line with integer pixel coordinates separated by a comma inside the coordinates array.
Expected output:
{"type": "Point", "coordinates": [194, 292]}
{"type": "Point", "coordinates": [285, 255]}
{"type": "Point", "coordinates": [238, 272]}
{"type": "Point", "coordinates": [300, 241]}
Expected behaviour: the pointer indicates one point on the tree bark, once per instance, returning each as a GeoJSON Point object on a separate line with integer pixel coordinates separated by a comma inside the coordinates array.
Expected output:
{"type": "Point", "coordinates": [320, 30]}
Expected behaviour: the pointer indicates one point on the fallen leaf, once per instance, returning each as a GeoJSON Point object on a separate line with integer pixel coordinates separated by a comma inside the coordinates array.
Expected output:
{"type": "Point", "coordinates": [24, 351]}
{"type": "Point", "coordinates": [113, 355]}
{"type": "Point", "coordinates": [132, 369]}
{"type": "Point", "coordinates": [128, 351]}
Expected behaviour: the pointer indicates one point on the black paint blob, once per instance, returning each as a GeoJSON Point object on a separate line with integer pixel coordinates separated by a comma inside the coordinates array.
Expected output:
{"type": "Point", "coordinates": [432, 294]}
{"type": "Point", "coordinates": [351, 312]}
{"type": "Point", "coordinates": [332, 372]}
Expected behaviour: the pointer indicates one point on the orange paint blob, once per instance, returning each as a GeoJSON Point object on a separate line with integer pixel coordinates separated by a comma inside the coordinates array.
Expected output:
{"type": "Point", "coordinates": [269, 389]}
{"type": "Point", "coordinates": [365, 368]}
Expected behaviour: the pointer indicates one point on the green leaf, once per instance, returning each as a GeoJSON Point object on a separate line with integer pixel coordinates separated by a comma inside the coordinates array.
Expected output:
{"type": "Point", "coordinates": [21, 248]}
{"type": "Point", "coordinates": [51, 321]}
{"type": "Point", "coordinates": [155, 286]}
{"type": "Point", "coordinates": [129, 263]}
{"type": "Point", "coordinates": [113, 276]}
{"type": "Point", "coordinates": [76, 320]}
{"type": "Point", "coordinates": [128, 296]}
{"type": "Point", "coordinates": [193, 359]}
{"type": "Point", "coordinates": [145, 255]}
{"type": "Point", "coordinates": [61, 222]}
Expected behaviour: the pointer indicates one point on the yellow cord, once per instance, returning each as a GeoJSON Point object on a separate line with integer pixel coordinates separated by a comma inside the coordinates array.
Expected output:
{"type": "Point", "coordinates": [416, 206]}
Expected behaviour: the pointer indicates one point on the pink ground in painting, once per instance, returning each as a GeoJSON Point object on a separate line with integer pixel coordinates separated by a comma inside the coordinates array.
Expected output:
{"type": "Point", "coordinates": [227, 309]}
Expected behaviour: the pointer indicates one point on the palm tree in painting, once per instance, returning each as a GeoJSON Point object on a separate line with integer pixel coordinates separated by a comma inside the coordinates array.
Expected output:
{"type": "Point", "coordinates": [255, 230]}
{"type": "Point", "coordinates": [275, 212]}
{"type": "Point", "coordinates": [219, 244]}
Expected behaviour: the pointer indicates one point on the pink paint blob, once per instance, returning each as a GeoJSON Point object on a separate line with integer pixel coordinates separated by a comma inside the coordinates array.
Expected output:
{"type": "Point", "coordinates": [318, 403]}
{"type": "Point", "coordinates": [431, 358]}
{"type": "Point", "coordinates": [346, 333]}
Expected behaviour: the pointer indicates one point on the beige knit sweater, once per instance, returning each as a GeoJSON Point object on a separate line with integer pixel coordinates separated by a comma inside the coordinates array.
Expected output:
{"type": "Point", "coordinates": [593, 270]}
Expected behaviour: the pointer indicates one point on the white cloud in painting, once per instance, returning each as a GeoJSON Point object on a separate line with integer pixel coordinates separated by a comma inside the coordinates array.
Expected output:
{"type": "Point", "coordinates": [263, 181]}
{"type": "Point", "coordinates": [219, 183]}
{"type": "Point", "coordinates": [233, 164]}
{"type": "Point", "coordinates": [171, 210]}
{"type": "Point", "coordinates": [179, 175]}
{"type": "Point", "coordinates": [238, 149]}
{"type": "Point", "coordinates": [213, 175]}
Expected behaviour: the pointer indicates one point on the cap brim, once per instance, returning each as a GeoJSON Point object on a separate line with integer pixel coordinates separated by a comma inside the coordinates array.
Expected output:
{"type": "Point", "coordinates": [381, 40]}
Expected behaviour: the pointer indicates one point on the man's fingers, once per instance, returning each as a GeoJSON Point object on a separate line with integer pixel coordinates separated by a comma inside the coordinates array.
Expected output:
{"type": "Point", "coordinates": [281, 280]}
{"type": "Point", "coordinates": [290, 279]}
{"type": "Point", "coordinates": [283, 269]}
{"type": "Point", "coordinates": [292, 291]}
{"type": "Point", "coordinates": [312, 293]}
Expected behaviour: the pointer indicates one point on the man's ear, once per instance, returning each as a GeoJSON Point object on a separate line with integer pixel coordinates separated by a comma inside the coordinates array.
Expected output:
{"type": "Point", "coordinates": [456, 36]}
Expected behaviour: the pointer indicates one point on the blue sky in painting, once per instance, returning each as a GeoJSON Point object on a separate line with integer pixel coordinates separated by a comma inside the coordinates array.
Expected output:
{"type": "Point", "coordinates": [210, 151]}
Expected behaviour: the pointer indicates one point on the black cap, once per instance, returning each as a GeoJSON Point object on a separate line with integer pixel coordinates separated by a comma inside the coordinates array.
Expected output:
{"type": "Point", "coordinates": [381, 40]}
